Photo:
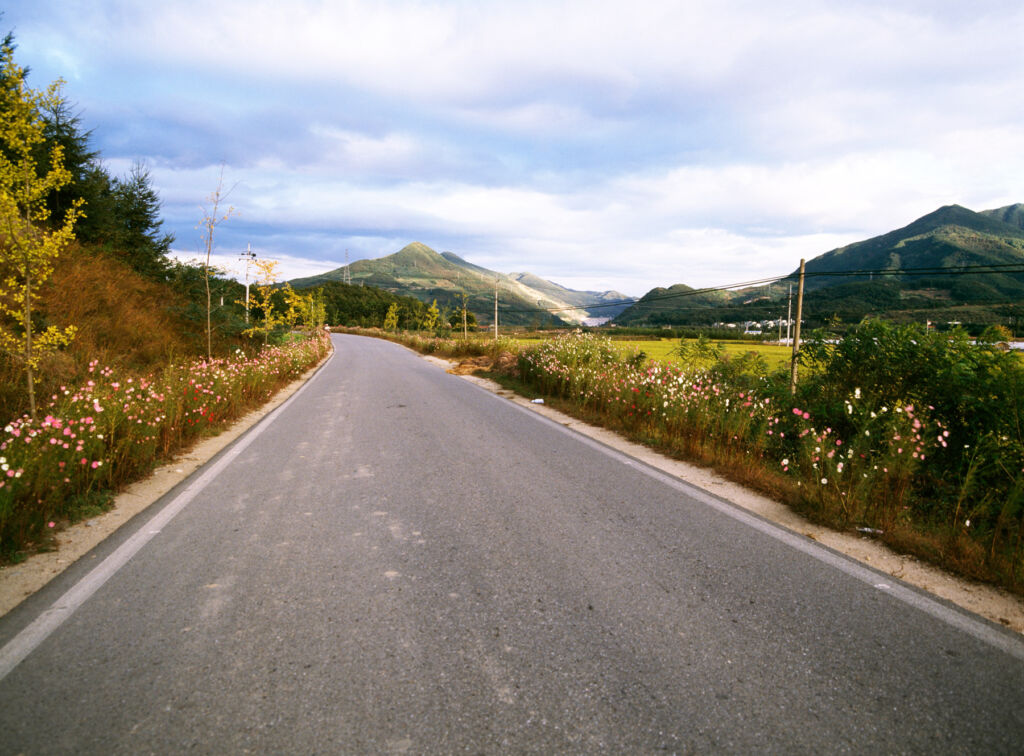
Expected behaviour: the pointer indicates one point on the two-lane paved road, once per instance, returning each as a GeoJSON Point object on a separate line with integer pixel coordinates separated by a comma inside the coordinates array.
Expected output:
{"type": "Point", "coordinates": [402, 562]}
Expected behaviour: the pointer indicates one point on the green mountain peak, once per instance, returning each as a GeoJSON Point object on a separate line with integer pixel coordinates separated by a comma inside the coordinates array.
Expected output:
{"type": "Point", "coordinates": [910, 269]}
{"type": "Point", "coordinates": [419, 271]}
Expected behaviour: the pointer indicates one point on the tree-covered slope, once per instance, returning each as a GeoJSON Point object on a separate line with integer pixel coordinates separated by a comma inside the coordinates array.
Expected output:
{"type": "Point", "coordinates": [940, 267]}
{"type": "Point", "coordinates": [1012, 214]}
{"type": "Point", "coordinates": [950, 237]}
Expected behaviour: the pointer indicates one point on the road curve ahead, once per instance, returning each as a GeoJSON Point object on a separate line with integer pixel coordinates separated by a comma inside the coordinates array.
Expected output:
{"type": "Point", "coordinates": [400, 562]}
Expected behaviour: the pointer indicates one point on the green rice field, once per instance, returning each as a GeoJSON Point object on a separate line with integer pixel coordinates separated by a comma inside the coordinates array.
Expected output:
{"type": "Point", "coordinates": [660, 349]}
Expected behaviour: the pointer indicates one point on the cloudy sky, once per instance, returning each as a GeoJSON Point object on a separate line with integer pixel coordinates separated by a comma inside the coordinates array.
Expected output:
{"type": "Point", "coordinates": [603, 145]}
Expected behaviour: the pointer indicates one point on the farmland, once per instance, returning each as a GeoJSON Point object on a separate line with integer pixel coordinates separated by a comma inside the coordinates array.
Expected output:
{"type": "Point", "coordinates": [666, 350]}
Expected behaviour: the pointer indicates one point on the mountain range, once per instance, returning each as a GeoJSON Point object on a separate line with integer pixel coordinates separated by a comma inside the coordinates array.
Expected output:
{"type": "Point", "coordinates": [939, 267]}
{"type": "Point", "coordinates": [523, 298]}
{"type": "Point", "coordinates": [950, 264]}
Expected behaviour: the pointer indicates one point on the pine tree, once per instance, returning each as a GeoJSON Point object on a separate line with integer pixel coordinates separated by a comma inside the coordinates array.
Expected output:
{"type": "Point", "coordinates": [136, 217]}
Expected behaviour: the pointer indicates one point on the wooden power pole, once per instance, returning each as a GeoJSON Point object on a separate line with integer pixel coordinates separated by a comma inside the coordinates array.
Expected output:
{"type": "Point", "coordinates": [796, 329]}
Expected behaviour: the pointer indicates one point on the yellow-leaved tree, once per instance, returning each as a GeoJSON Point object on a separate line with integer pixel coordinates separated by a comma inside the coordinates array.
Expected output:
{"type": "Point", "coordinates": [30, 241]}
{"type": "Point", "coordinates": [432, 316]}
{"type": "Point", "coordinates": [263, 301]}
{"type": "Point", "coordinates": [304, 309]}
{"type": "Point", "coordinates": [391, 318]}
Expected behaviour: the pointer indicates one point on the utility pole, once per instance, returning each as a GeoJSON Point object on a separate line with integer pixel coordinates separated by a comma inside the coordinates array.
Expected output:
{"type": "Point", "coordinates": [249, 256]}
{"type": "Point", "coordinates": [789, 313]}
{"type": "Point", "coordinates": [348, 273]}
{"type": "Point", "coordinates": [495, 309]}
{"type": "Point", "coordinates": [796, 329]}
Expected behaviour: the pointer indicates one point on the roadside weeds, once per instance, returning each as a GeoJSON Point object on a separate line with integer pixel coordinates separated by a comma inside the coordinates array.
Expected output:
{"type": "Point", "coordinates": [19, 581]}
{"type": "Point", "coordinates": [993, 603]}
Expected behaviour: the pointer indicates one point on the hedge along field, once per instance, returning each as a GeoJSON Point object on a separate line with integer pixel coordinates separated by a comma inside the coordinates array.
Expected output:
{"type": "Point", "coordinates": [97, 437]}
{"type": "Point", "coordinates": [915, 436]}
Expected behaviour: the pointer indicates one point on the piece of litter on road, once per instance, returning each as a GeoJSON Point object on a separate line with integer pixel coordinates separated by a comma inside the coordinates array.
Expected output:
{"type": "Point", "coordinates": [537, 401]}
{"type": "Point", "coordinates": [875, 531]}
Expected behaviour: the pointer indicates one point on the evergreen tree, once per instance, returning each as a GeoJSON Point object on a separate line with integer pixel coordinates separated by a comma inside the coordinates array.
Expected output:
{"type": "Point", "coordinates": [62, 128]}
{"type": "Point", "coordinates": [136, 237]}
{"type": "Point", "coordinates": [98, 224]}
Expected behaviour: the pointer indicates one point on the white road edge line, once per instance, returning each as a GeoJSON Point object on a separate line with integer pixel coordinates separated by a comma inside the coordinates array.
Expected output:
{"type": "Point", "coordinates": [25, 642]}
{"type": "Point", "coordinates": [973, 626]}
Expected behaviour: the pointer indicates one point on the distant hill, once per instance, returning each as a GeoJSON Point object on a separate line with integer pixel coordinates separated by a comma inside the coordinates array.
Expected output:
{"type": "Point", "coordinates": [597, 304]}
{"type": "Point", "coordinates": [906, 273]}
{"type": "Point", "coordinates": [417, 270]}
{"type": "Point", "coordinates": [1012, 214]}
{"type": "Point", "coordinates": [664, 306]}
{"type": "Point", "coordinates": [952, 236]}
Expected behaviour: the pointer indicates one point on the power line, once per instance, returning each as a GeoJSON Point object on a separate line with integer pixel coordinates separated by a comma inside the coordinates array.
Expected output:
{"type": "Point", "coordinates": [933, 271]}
{"type": "Point", "coordinates": [959, 270]}
{"type": "Point", "coordinates": [1008, 267]}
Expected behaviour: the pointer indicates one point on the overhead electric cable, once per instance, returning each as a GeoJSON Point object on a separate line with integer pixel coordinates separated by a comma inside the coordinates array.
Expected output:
{"type": "Point", "coordinates": [945, 271]}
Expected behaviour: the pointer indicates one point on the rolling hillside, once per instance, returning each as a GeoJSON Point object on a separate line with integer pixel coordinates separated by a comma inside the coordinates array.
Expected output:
{"type": "Point", "coordinates": [1012, 214]}
{"type": "Point", "coordinates": [952, 236]}
{"type": "Point", "coordinates": [903, 274]}
{"type": "Point", "coordinates": [417, 270]}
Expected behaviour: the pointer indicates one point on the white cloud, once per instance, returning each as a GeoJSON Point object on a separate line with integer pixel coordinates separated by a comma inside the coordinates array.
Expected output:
{"type": "Point", "coordinates": [349, 150]}
{"type": "Point", "coordinates": [288, 267]}
{"type": "Point", "coordinates": [624, 145]}
{"type": "Point", "coordinates": [723, 220]}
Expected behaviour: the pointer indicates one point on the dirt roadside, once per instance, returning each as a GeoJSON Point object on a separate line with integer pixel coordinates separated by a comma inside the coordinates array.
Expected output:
{"type": "Point", "coordinates": [22, 580]}
{"type": "Point", "coordinates": [990, 602]}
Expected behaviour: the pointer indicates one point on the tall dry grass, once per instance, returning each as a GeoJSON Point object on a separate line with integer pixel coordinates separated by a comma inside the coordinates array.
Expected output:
{"type": "Point", "coordinates": [123, 319]}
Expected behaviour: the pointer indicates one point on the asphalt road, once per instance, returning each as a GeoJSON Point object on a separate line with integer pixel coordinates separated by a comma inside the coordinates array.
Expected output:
{"type": "Point", "coordinates": [400, 562]}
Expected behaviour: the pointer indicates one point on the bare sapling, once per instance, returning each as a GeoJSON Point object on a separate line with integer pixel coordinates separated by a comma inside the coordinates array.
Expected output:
{"type": "Point", "coordinates": [213, 216]}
